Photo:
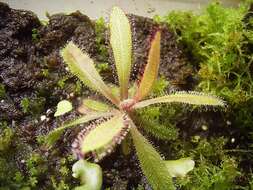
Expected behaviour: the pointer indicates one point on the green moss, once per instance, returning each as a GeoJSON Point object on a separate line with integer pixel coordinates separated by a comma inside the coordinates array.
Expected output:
{"type": "Point", "coordinates": [61, 83]}
{"type": "Point", "coordinates": [102, 67]}
{"type": "Point", "coordinates": [25, 103]}
{"type": "Point", "coordinates": [160, 86]}
{"type": "Point", "coordinates": [218, 42]}
{"type": "Point", "coordinates": [59, 185]}
{"type": "Point", "coordinates": [210, 176]}
{"type": "Point", "coordinates": [100, 28]}
{"type": "Point", "coordinates": [45, 72]}
{"type": "Point", "coordinates": [2, 91]}
{"type": "Point", "coordinates": [33, 106]}
{"type": "Point", "coordinates": [36, 168]}
{"type": "Point", "coordinates": [214, 168]}
{"type": "Point", "coordinates": [78, 87]}
{"type": "Point", "coordinates": [35, 35]}
{"type": "Point", "coordinates": [6, 137]}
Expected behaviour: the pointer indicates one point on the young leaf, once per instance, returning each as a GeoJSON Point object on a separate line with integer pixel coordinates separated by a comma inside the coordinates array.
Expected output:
{"type": "Point", "coordinates": [98, 138]}
{"type": "Point", "coordinates": [152, 164]}
{"type": "Point", "coordinates": [90, 175]}
{"type": "Point", "coordinates": [180, 167]}
{"type": "Point", "coordinates": [63, 107]}
{"type": "Point", "coordinates": [54, 135]}
{"type": "Point", "coordinates": [195, 98]}
{"type": "Point", "coordinates": [116, 90]}
{"type": "Point", "coordinates": [95, 105]}
{"type": "Point", "coordinates": [121, 42]}
{"type": "Point", "coordinates": [151, 69]}
{"type": "Point", "coordinates": [83, 67]}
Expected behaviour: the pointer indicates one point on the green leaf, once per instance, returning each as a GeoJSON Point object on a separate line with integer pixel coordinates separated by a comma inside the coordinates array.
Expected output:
{"type": "Point", "coordinates": [151, 69]}
{"type": "Point", "coordinates": [180, 167]}
{"type": "Point", "coordinates": [96, 105]}
{"type": "Point", "coordinates": [90, 175]}
{"type": "Point", "coordinates": [83, 67]}
{"type": "Point", "coordinates": [194, 98]}
{"type": "Point", "coordinates": [121, 42]}
{"type": "Point", "coordinates": [63, 107]}
{"type": "Point", "coordinates": [152, 164]}
{"type": "Point", "coordinates": [54, 135]}
{"type": "Point", "coordinates": [160, 131]}
{"type": "Point", "coordinates": [103, 135]}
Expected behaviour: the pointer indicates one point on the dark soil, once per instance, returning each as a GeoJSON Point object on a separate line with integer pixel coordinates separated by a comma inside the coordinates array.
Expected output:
{"type": "Point", "coordinates": [28, 49]}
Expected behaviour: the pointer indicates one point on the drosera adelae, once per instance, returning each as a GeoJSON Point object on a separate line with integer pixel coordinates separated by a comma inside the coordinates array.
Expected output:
{"type": "Point", "coordinates": [100, 137]}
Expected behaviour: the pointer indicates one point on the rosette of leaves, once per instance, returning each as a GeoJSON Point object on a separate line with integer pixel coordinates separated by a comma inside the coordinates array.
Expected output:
{"type": "Point", "coordinates": [113, 120]}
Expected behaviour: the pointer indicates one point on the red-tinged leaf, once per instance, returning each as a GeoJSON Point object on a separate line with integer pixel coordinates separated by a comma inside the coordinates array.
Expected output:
{"type": "Point", "coordinates": [98, 139]}
{"type": "Point", "coordinates": [151, 69]}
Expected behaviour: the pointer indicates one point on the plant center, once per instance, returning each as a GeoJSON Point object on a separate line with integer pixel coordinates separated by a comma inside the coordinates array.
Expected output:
{"type": "Point", "coordinates": [126, 105]}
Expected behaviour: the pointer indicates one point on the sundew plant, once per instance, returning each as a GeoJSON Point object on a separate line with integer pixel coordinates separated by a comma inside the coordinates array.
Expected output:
{"type": "Point", "coordinates": [114, 121]}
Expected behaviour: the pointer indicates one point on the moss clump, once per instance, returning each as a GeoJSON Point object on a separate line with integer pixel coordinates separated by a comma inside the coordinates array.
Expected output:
{"type": "Point", "coordinates": [35, 35]}
{"type": "Point", "coordinates": [218, 42]}
{"type": "Point", "coordinates": [25, 105]}
{"type": "Point", "coordinates": [210, 176]}
{"type": "Point", "coordinates": [33, 106]}
{"type": "Point", "coordinates": [100, 29]}
{"type": "Point", "coordinates": [214, 168]}
{"type": "Point", "coordinates": [2, 91]}
{"type": "Point", "coordinates": [5, 138]}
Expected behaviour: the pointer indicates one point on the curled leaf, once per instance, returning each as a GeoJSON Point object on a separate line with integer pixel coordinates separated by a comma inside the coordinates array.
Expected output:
{"type": "Point", "coordinates": [90, 175]}
{"type": "Point", "coordinates": [121, 42]}
{"type": "Point", "coordinates": [151, 69]}
{"type": "Point", "coordinates": [194, 98]}
{"type": "Point", "coordinates": [83, 67]}
{"type": "Point", "coordinates": [98, 139]}
{"type": "Point", "coordinates": [180, 167]}
{"type": "Point", "coordinates": [63, 107]}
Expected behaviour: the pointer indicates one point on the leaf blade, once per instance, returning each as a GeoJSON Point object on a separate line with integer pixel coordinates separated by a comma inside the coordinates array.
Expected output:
{"type": "Point", "coordinates": [151, 163]}
{"type": "Point", "coordinates": [98, 140]}
{"type": "Point", "coordinates": [151, 69]}
{"type": "Point", "coordinates": [121, 42]}
{"type": "Point", "coordinates": [83, 67]}
{"type": "Point", "coordinates": [94, 105]}
{"type": "Point", "coordinates": [103, 134]}
{"type": "Point", "coordinates": [54, 135]}
{"type": "Point", "coordinates": [194, 98]}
